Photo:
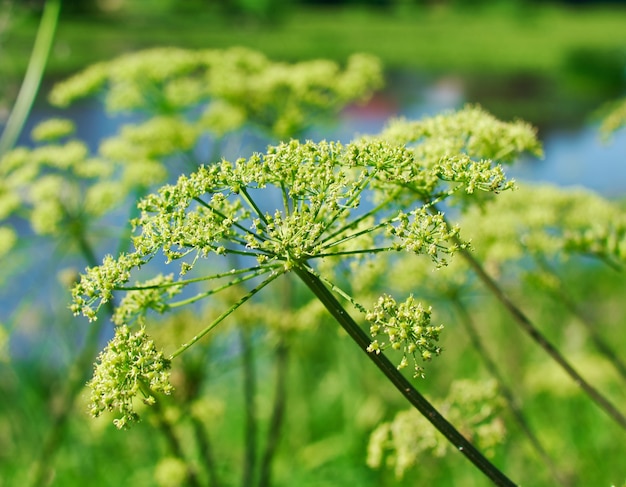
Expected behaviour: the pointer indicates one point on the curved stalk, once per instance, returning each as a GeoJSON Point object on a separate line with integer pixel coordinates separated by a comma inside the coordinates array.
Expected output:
{"type": "Point", "coordinates": [399, 381]}
{"type": "Point", "coordinates": [32, 79]}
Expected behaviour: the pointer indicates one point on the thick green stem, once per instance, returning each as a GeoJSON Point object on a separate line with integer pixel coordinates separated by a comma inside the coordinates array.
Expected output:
{"type": "Point", "coordinates": [400, 382]}
{"type": "Point", "coordinates": [32, 79]}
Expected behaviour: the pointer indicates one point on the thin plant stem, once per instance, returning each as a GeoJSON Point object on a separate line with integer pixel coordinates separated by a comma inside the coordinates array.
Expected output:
{"type": "Point", "coordinates": [249, 399]}
{"type": "Point", "coordinates": [399, 381]}
{"type": "Point", "coordinates": [206, 450]}
{"type": "Point", "coordinates": [562, 295]}
{"type": "Point", "coordinates": [173, 442]}
{"type": "Point", "coordinates": [225, 314]}
{"type": "Point", "coordinates": [230, 273]}
{"type": "Point", "coordinates": [281, 361]}
{"type": "Point", "coordinates": [32, 79]}
{"type": "Point", "coordinates": [360, 218]}
{"type": "Point", "coordinates": [527, 325]}
{"type": "Point", "coordinates": [210, 292]}
{"type": "Point", "coordinates": [125, 238]}
{"type": "Point", "coordinates": [507, 393]}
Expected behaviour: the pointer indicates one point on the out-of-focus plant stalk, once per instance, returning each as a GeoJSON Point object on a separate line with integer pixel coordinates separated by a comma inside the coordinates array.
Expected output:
{"type": "Point", "coordinates": [527, 325]}
{"type": "Point", "coordinates": [507, 393]}
{"type": "Point", "coordinates": [34, 74]}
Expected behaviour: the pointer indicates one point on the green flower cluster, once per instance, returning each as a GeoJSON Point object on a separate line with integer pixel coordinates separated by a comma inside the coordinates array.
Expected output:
{"type": "Point", "coordinates": [103, 280]}
{"type": "Point", "coordinates": [130, 364]}
{"type": "Point", "coordinates": [407, 327]}
{"type": "Point", "coordinates": [291, 208]}
{"type": "Point", "coordinates": [45, 184]}
{"type": "Point", "coordinates": [317, 188]}
{"type": "Point", "coordinates": [459, 152]}
{"type": "Point", "coordinates": [232, 85]}
{"type": "Point", "coordinates": [148, 296]}
{"type": "Point", "coordinates": [422, 232]}
{"type": "Point", "coordinates": [60, 187]}
{"type": "Point", "coordinates": [548, 221]}
{"type": "Point", "coordinates": [471, 131]}
{"type": "Point", "coordinates": [473, 406]}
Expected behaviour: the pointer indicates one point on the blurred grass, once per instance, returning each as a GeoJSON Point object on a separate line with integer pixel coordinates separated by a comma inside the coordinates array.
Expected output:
{"type": "Point", "coordinates": [531, 39]}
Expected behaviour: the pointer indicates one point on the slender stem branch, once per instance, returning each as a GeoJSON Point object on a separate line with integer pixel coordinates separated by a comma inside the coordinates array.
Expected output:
{"type": "Point", "coordinates": [362, 186]}
{"type": "Point", "coordinates": [355, 235]}
{"type": "Point", "coordinates": [232, 272]}
{"type": "Point", "coordinates": [400, 382]}
{"type": "Point", "coordinates": [524, 322]}
{"type": "Point", "coordinates": [235, 224]}
{"type": "Point", "coordinates": [225, 314]}
{"type": "Point", "coordinates": [355, 252]}
{"type": "Point", "coordinates": [362, 217]}
{"type": "Point", "coordinates": [505, 390]}
{"type": "Point", "coordinates": [561, 294]}
{"type": "Point", "coordinates": [249, 399]}
{"type": "Point", "coordinates": [210, 292]}
{"type": "Point", "coordinates": [252, 204]}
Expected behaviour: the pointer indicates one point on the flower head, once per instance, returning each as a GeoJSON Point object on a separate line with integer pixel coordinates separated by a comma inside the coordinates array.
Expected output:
{"type": "Point", "coordinates": [129, 365]}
